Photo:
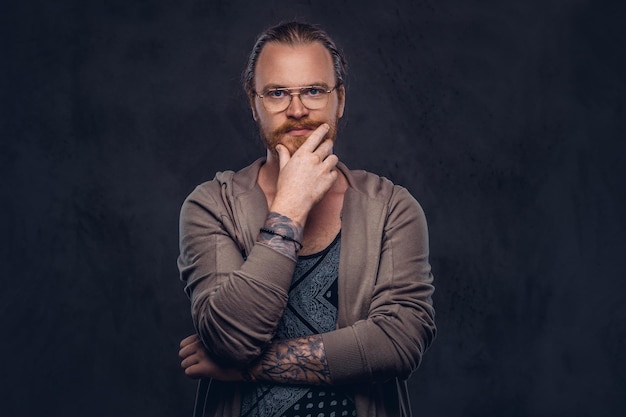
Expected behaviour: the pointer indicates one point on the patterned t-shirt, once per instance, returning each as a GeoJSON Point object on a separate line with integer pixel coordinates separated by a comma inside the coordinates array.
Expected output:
{"type": "Point", "coordinates": [311, 309]}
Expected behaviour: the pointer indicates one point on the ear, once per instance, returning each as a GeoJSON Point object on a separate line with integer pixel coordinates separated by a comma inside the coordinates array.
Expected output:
{"type": "Point", "coordinates": [252, 103]}
{"type": "Point", "coordinates": [341, 96]}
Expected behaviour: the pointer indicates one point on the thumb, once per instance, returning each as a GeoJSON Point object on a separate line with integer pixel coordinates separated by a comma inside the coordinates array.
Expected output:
{"type": "Point", "coordinates": [283, 155]}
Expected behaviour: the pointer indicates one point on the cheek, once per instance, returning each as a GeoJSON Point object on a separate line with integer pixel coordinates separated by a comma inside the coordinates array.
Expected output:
{"type": "Point", "coordinates": [336, 110]}
{"type": "Point", "coordinates": [262, 123]}
{"type": "Point", "coordinates": [267, 121]}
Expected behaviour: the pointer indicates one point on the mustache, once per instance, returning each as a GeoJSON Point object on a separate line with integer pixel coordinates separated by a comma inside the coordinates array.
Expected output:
{"type": "Point", "coordinates": [297, 125]}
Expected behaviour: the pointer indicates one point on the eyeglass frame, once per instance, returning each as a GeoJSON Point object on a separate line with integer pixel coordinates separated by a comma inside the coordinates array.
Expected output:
{"type": "Point", "coordinates": [291, 94]}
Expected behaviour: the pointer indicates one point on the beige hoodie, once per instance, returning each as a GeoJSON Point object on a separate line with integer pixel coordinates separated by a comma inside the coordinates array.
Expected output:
{"type": "Point", "coordinates": [238, 288]}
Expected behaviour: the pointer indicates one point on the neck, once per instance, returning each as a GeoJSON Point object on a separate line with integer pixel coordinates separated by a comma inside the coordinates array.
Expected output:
{"type": "Point", "coordinates": [268, 175]}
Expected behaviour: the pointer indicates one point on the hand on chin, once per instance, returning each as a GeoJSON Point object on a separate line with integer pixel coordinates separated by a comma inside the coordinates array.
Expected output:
{"type": "Point", "coordinates": [292, 143]}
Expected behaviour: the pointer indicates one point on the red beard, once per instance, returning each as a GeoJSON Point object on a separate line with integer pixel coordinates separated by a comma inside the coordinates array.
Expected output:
{"type": "Point", "coordinates": [274, 138]}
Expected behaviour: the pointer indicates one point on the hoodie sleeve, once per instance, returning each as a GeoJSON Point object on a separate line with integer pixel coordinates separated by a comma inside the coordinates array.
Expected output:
{"type": "Point", "coordinates": [236, 304]}
{"type": "Point", "coordinates": [399, 324]}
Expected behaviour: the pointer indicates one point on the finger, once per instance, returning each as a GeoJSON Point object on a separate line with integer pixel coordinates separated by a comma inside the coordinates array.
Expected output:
{"type": "Point", "coordinates": [194, 372]}
{"type": "Point", "coordinates": [185, 352]}
{"type": "Point", "coordinates": [316, 138]}
{"type": "Point", "coordinates": [324, 149]}
{"type": "Point", "coordinates": [189, 340]}
{"type": "Point", "coordinates": [189, 350]}
{"type": "Point", "coordinates": [331, 161]}
{"type": "Point", "coordinates": [189, 361]}
{"type": "Point", "coordinates": [283, 155]}
{"type": "Point", "coordinates": [332, 176]}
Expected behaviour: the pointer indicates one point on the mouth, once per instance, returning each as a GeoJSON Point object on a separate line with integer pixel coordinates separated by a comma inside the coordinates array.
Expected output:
{"type": "Point", "coordinates": [299, 131]}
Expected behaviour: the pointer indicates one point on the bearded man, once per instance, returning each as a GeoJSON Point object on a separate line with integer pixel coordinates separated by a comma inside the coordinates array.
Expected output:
{"type": "Point", "coordinates": [310, 284]}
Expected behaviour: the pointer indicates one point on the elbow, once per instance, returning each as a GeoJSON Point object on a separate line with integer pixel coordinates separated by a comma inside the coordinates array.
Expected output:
{"type": "Point", "coordinates": [226, 348]}
{"type": "Point", "coordinates": [421, 342]}
{"type": "Point", "coordinates": [230, 337]}
{"type": "Point", "coordinates": [407, 345]}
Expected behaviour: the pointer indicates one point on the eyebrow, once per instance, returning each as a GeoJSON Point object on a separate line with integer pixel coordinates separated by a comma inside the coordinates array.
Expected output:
{"type": "Point", "coordinates": [280, 86]}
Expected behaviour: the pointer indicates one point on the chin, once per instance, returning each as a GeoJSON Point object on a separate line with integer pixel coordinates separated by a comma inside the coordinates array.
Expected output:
{"type": "Point", "coordinates": [292, 143]}
{"type": "Point", "coordinates": [296, 142]}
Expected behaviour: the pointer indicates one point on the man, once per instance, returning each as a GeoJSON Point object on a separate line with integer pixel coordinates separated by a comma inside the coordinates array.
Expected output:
{"type": "Point", "coordinates": [309, 283]}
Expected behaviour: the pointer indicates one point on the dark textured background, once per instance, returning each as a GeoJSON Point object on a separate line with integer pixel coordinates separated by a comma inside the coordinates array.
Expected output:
{"type": "Point", "coordinates": [504, 118]}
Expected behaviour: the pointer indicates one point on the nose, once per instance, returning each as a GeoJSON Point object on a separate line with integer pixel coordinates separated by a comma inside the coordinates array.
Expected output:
{"type": "Point", "coordinates": [296, 109]}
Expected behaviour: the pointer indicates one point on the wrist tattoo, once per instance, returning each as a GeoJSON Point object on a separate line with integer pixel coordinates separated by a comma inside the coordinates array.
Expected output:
{"type": "Point", "coordinates": [282, 234]}
{"type": "Point", "coordinates": [295, 361]}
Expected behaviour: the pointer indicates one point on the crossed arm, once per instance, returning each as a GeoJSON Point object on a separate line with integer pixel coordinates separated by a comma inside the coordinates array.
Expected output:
{"type": "Point", "coordinates": [295, 361]}
{"type": "Point", "coordinates": [389, 342]}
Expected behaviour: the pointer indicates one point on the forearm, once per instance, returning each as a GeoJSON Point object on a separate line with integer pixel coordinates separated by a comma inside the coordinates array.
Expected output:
{"type": "Point", "coordinates": [236, 302]}
{"type": "Point", "coordinates": [294, 361]}
{"type": "Point", "coordinates": [281, 234]}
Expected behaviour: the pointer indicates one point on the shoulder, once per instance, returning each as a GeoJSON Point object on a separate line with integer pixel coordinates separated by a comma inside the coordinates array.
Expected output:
{"type": "Point", "coordinates": [366, 183]}
{"type": "Point", "coordinates": [375, 187]}
{"type": "Point", "coordinates": [225, 184]}
{"type": "Point", "coordinates": [376, 197]}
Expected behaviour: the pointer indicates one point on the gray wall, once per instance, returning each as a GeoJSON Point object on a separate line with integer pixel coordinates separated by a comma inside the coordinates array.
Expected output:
{"type": "Point", "coordinates": [504, 118]}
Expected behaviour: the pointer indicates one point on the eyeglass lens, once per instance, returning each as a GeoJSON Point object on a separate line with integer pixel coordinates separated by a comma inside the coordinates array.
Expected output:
{"type": "Point", "coordinates": [279, 99]}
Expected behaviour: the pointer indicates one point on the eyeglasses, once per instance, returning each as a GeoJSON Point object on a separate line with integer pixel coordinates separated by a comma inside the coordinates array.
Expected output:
{"type": "Point", "coordinates": [276, 100]}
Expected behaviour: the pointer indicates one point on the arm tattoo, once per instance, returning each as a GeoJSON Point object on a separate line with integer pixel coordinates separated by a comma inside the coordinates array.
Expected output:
{"type": "Point", "coordinates": [282, 225]}
{"type": "Point", "coordinates": [294, 361]}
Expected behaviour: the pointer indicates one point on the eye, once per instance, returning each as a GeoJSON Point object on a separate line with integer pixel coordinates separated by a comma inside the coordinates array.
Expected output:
{"type": "Point", "coordinates": [313, 91]}
{"type": "Point", "coordinates": [275, 93]}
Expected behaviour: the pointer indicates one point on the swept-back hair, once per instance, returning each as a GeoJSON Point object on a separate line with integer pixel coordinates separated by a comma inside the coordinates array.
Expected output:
{"type": "Point", "coordinates": [293, 33]}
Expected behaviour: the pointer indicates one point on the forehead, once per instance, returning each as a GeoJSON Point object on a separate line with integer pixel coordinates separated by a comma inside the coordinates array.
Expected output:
{"type": "Point", "coordinates": [294, 65]}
